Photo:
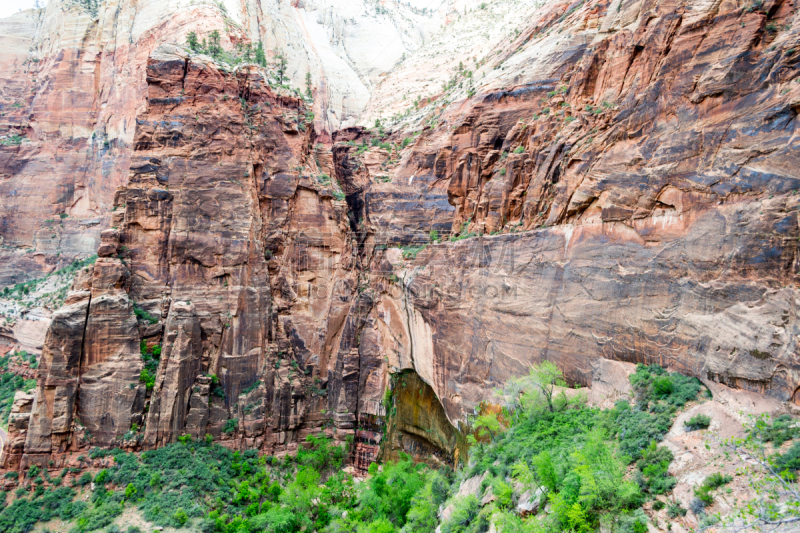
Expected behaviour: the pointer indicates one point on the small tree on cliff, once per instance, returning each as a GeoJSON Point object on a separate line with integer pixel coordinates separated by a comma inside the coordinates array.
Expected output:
{"type": "Point", "coordinates": [214, 44]}
{"type": "Point", "coordinates": [261, 58]}
{"type": "Point", "coordinates": [489, 424]}
{"type": "Point", "coordinates": [281, 64]}
{"type": "Point", "coordinates": [308, 86]}
{"type": "Point", "coordinates": [536, 391]}
{"type": "Point", "coordinates": [192, 42]}
{"type": "Point", "coordinates": [247, 52]}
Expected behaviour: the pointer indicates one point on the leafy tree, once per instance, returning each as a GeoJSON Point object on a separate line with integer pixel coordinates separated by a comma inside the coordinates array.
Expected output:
{"type": "Point", "coordinates": [536, 390]}
{"type": "Point", "coordinates": [464, 514]}
{"type": "Point", "coordinates": [488, 423]}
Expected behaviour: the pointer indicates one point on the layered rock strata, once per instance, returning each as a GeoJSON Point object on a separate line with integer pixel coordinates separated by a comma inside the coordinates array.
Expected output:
{"type": "Point", "coordinates": [629, 195]}
{"type": "Point", "coordinates": [226, 255]}
{"type": "Point", "coordinates": [632, 198]}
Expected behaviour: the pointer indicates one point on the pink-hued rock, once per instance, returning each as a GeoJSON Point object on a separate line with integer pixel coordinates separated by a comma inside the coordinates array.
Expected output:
{"type": "Point", "coordinates": [623, 182]}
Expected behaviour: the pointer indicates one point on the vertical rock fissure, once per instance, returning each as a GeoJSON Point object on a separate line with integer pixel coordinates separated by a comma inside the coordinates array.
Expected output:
{"type": "Point", "coordinates": [77, 409]}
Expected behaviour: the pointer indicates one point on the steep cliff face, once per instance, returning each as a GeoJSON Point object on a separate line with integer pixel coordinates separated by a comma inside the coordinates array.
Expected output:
{"type": "Point", "coordinates": [234, 261]}
{"type": "Point", "coordinates": [72, 84]}
{"type": "Point", "coordinates": [618, 182]}
{"type": "Point", "coordinates": [631, 198]}
{"type": "Point", "coordinates": [73, 81]}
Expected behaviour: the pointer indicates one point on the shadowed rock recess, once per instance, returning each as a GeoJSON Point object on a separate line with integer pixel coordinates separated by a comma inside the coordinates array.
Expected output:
{"type": "Point", "coordinates": [631, 195]}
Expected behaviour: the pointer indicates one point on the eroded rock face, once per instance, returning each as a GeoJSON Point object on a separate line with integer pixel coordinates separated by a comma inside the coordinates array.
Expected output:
{"type": "Point", "coordinates": [73, 81]}
{"type": "Point", "coordinates": [235, 262]}
{"type": "Point", "coordinates": [71, 85]}
{"type": "Point", "coordinates": [626, 194]}
{"type": "Point", "coordinates": [644, 190]}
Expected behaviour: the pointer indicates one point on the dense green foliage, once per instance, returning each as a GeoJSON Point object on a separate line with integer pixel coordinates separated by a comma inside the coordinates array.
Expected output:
{"type": "Point", "coordinates": [577, 457]}
{"type": "Point", "coordinates": [150, 357]}
{"type": "Point", "coordinates": [225, 491]}
{"type": "Point", "coordinates": [780, 430]}
{"type": "Point", "coordinates": [9, 385]}
{"type": "Point", "coordinates": [44, 505]}
{"type": "Point", "coordinates": [787, 464]}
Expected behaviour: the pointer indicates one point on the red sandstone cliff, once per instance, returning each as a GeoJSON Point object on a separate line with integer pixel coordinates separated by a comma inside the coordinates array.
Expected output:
{"type": "Point", "coordinates": [630, 196]}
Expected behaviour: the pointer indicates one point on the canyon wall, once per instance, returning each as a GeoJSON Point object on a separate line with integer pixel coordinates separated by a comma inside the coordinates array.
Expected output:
{"type": "Point", "coordinates": [71, 86]}
{"type": "Point", "coordinates": [633, 197]}
{"type": "Point", "coordinates": [617, 182]}
{"type": "Point", "coordinates": [73, 81]}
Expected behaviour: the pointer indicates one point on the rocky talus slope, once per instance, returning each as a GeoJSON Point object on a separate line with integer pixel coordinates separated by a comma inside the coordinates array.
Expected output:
{"type": "Point", "coordinates": [621, 185]}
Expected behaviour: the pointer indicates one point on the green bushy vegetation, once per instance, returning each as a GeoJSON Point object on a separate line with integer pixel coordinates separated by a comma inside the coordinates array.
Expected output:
{"type": "Point", "coordinates": [769, 471]}
{"type": "Point", "coordinates": [247, 53]}
{"type": "Point", "coordinates": [9, 385]}
{"type": "Point", "coordinates": [22, 289]}
{"type": "Point", "coordinates": [151, 358]}
{"type": "Point", "coordinates": [777, 431]}
{"type": "Point", "coordinates": [411, 252]}
{"type": "Point", "coordinates": [579, 455]}
{"type": "Point", "coordinates": [218, 490]}
{"type": "Point", "coordinates": [144, 316]}
{"type": "Point", "coordinates": [595, 468]}
{"type": "Point", "coordinates": [12, 140]}
{"type": "Point", "coordinates": [697, 422]}
{"type": "Point", "coordinates": [24, 513]}
{"type": "Point", "coordinates": [712, 482]}
{"type": "Point", "coordinates": [787, 464]}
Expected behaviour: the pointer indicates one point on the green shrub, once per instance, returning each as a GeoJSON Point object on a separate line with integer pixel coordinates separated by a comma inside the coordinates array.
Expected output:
{"type": "Point", "coordinates": [180, 517]}
{"type": "Point", "coordinates": [653, 384]}
{"type": "Point", "coordinates": [411, 252]}
{"type": "Point", "coordinates": [780, 430]}
{"type": "Point", "coordinates": [252, 387]}
{"type": "Point", "coordinates": [697, 422]}
{"type": "Point", "coordinates": [101, 477]}
{"type": "Point", "coordinates": [674, 510]}
{"type": "Point", "coordinates": [788, 463]}
{"type": "Point", "coordinates": [636, 428]}
{"type": "Point", "coordinates": [654, 466]}
{"type": "Point", "coordinates": [714, 481]}
{"type": "Point", "coordinates": [144, 316]}
{"type": "Point", "coordinates": [149, 379]}
{"type": "Point", "coordinates": [231, 425]}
